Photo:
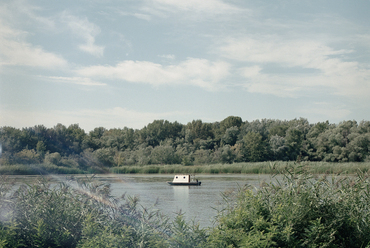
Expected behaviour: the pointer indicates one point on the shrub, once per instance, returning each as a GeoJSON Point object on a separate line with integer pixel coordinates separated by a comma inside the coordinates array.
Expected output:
{"type": "Point", "coordinates": [53, 158]}
{"type": "Point", "coordinates": [298, 211]}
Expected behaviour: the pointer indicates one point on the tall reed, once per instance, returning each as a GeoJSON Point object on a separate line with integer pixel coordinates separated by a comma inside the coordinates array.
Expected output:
{"type": "Point", "coordinates": [246, 168]}
{"type": "Point", "coordinates": [37, 169]}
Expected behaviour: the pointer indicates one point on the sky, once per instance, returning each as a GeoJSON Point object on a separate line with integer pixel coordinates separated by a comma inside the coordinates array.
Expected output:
{"type": "Point", "coordinates": [115, 64]}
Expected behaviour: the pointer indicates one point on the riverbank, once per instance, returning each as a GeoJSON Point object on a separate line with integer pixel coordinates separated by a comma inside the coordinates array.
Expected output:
{"type": "Point", "coordinates": [246, 168]}
{"type": "Point", "coordinates": [236, 168]}
{"type": "Point", "coordinates": [37, 169]}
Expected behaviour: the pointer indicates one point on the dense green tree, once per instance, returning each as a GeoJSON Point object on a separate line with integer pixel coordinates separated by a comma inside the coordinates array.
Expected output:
{"type": "Point", "coordinates": [279, 148]}
{"type": "Point", "coordinates": [294, 140]}
{"type": "Point", "coordinates": [219, 128]}
{"type": "Point", "coordinates": [358, 147]}
{"type": "Point", "coordinates": [163, 155]}
{"type": "Point", "coordinates": [318, 129]}
{"type": "Point", "coordinates": [364, 127]}
{"type": "Point", "coordinates": [276, 140]}
{"type": "Point", "coordinates": [40, 147]}
{"type": "Point", "coordinates": [64, 140]}
{"type": "Point", "coordinates": [254, 147]}
{"type": "Point", "coordinates": [231, 136]}
{"type": "Point", "coordinates": [142, 154]}
{"type": "Point", "coordinates": [93, 140]}
{"type": "Point", "coordinates": [202, 156]}
{"type": "Point", "coordinates": [227, 155]}
{"type": "Point", "coordinates": [11, 140]}
{"type": "Point", "coordinates": [76, 136]}
{"type": "Point", "coordinates": [158, 131]}
{"type": "Point", "coordinates": [105, 156]}
{"type": "Point", "coordinates": [197, 130]}
{"type": "Point", "coordinates": [53, 158]}
{"type": "Point", "coordinates": [97, 133]}
{"type": "Point", "coordinates": [27, 156]}
{"type": "Point", "coordinates": [231, 121]}
{"type": "Point", "coordinates": [262, 127]}
{"type": "Point", "coordinates": [279, 130]}
{"type": "Point", "coordinates": [184, 153]}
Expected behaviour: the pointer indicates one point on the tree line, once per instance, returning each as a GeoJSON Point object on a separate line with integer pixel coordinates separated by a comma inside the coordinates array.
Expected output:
{"type": "Point", "coordinates": [162, 142]}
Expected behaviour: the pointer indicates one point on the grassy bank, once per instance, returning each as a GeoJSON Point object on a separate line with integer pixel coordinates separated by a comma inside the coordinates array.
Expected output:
{"type": "Point", "coordinates": [37, 169]}
{"type": "Point", "coordinates": [237, 168]}
{"type": "Point", "coordinates": [246, 168]}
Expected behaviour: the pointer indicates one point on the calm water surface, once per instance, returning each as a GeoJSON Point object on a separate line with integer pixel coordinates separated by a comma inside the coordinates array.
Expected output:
{"type": "Point", "coordinates": [199, 203]}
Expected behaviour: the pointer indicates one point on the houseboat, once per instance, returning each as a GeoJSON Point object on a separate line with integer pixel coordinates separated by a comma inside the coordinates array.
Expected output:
{"type": "Point", "coordinates": [184, 180]}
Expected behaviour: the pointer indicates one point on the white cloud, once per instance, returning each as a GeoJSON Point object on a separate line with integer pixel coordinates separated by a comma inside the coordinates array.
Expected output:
{"type": "Point", "coordinates": [251, 71]}
{"type": "Point", "coordinates": [76, 80]}
{"type": "Point", "coordinates": [142, 16]}
{"type": "Point", "coordinates": [278, 85]}
{"type": "Point", "coordinates": [16, 51]}
{"type": "Point", "coordinates": [330, 70]}
{"type": "Point", "coordinates": [14, 11]}
{"type": "Point", "coordinates": [198, 72]}
{"type": "Point", "coordinates": [24, 8]}
{"type": "Point", "coordinates": [137, 15]}
{"type": "Point", "coordinates": [272, 49]}
{"type": "Point", "coordinates": [213, 6]}
{"type": "Point", "coordinates": [191, 8]}
{"type": "Point", "coordinates": [168, 56]}
{"type": "Point", "coordinates": [86, 31]}
{"type": "Point", "coordinates": [321, 111]}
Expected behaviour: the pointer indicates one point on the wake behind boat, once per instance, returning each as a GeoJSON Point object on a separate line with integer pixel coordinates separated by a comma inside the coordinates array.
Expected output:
{"type": "Point", "coordinates": [184, 180]}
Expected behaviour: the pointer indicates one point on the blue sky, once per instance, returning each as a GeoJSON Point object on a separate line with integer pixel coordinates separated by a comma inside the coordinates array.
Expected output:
{"type": "Point", "coordinates": [127, 63]}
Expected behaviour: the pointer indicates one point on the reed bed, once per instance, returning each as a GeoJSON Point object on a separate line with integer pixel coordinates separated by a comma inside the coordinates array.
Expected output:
{"type": "Point", "coordinates": [246, 168]}
{"type": "Point", "coordinates": [37, 169]}
{"type": "Point", "coordinates": [268, 167]}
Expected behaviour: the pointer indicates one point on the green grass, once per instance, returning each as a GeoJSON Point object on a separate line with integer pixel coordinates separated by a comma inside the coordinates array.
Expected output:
{"type": "Point", "coordinates": [246, 168]}
{"type": "Point", "coordinates": [236, 168]}
{"type": "Point", "coordinates": [37, 169]}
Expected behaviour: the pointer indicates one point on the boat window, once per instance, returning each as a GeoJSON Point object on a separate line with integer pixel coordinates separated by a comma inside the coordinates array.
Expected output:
{"type": "Point", "coordinates": [184, 177]}
{"type": "Point", "coordinates": [176, 177]}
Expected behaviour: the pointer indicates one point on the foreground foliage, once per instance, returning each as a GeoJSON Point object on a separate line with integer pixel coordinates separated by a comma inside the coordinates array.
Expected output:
{"type": "Point", "coordinates": [84, 214]}
{"type": "Point", "coordinates": [298, 210]}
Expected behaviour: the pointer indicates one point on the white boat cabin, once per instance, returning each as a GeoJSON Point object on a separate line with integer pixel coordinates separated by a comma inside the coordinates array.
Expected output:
{"type": "Point", "coordinates": [181, 179]}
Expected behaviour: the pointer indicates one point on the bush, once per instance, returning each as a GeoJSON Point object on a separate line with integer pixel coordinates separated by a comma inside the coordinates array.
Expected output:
{"type": "Point", "coordinates": [53, 158]}
{"type": "Point", "coordinates": [299, 211]}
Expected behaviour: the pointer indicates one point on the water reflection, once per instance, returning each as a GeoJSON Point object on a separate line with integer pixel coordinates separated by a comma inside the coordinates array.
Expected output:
{"type": "Point", "coordinates": [181, 198]}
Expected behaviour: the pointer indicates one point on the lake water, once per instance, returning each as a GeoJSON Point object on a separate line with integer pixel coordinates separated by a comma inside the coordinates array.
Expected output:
{"type": "Point", "coordinates": [199, 203]}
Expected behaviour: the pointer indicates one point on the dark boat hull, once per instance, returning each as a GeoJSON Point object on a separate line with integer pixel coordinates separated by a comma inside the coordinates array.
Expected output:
{"type": "Point", "coordinates": [185, 184]}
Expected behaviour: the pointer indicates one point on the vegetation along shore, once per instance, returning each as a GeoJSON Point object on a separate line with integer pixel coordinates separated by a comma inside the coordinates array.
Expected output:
{"type": "Point", "coordinates": [228, 146]}
{"type": "Point", "coordinates": [349, 168]}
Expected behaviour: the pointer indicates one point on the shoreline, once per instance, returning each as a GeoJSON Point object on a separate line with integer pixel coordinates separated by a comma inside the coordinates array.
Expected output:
{"type": "Point", "coordinates": [211, 169]}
